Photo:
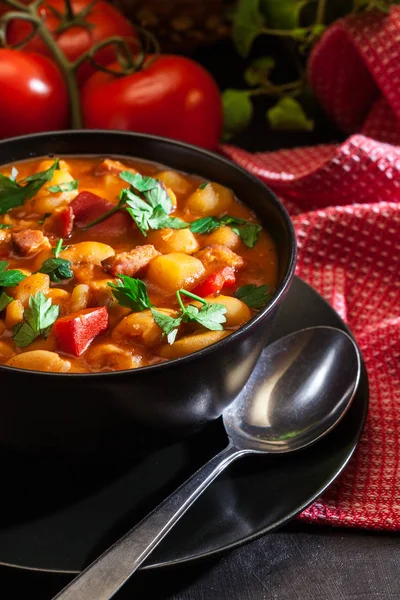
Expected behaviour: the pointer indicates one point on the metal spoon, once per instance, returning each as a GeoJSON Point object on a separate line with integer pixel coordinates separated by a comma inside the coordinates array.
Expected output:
{"type": "Point", "coordinates": [297, 393]}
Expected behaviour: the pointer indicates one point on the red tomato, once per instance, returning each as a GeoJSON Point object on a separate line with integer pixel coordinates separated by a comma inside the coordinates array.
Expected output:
{"type": "Point", "coordinates": [33, 94]}
{"type": "Point", "coordinates": [105, 19]}
{"type": "Point", "coordinates": [173, 97]}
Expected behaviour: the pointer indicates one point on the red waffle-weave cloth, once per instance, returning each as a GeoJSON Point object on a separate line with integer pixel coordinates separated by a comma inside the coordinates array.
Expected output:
{"type": "Point", "coordinates": [345, 205]}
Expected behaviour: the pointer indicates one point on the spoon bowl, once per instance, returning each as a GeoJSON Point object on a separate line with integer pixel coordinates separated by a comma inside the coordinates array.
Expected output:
{"type": "Point", "coordinates": [292, 399]}
{"type": "Point", "coordinates": [297, 394]}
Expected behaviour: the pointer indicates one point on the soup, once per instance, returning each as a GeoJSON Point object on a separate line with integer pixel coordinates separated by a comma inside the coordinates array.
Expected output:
{"type": "Point", "coordinates": [109, 264]}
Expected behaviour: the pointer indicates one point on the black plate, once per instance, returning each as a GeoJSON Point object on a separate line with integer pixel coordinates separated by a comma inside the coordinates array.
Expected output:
{"type": "Point", "coordinates": [57, 517]}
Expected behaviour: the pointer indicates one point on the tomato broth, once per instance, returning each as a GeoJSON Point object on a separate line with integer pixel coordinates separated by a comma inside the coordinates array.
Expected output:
{"type": "Point", "coordinates": [111, 263]}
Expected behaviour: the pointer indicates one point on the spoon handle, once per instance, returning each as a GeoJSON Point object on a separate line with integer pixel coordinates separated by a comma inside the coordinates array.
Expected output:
{"type": "Point", "coordinates": [105, 576]}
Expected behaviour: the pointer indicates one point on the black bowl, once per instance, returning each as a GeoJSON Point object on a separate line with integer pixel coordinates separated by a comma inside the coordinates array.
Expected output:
{"type": "Point", "coordinates": [75, 413]}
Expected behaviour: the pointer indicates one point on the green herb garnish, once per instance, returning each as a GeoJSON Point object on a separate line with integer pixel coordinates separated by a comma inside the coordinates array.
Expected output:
{"type": "Point", "coordinates": [13, 194]}
{"type": "Point", "coordinates": [4, 226]}
{"type": "Point", "coordinates": [203, 185]}
{"type": "Point", "coordinates": [5, 300]}
{"type": "Point", "coordinates": [131, 293]}
{"type": "Point", "coordinates": [38, 320]}
{"type": "Point", "coordinates": [248, 232]}
{"type": "Point", "coordinates": [147, 202]}
{"type": "Point", "coordinates": [11, 277]}
{"type": "Point", "coordinates": [254, 296]}
{"type": "Point", "coordinates": [58, 247]}
{"type": "Point", "coordinates": [67, 186]}
{"type": "Point", "coordinates": [57, 269]}
{"type": "Point", "coordinates": [210, 316]}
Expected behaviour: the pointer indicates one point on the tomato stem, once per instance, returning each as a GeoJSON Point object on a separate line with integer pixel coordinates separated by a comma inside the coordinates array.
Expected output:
{"type": "Point", "coordinates": [69, 11]}
{"type": "Point", "coordinates": [65, 67]}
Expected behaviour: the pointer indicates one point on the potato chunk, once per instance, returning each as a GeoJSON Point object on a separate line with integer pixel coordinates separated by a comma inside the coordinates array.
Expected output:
{"type": "Point", "coordinates": [45, 201]}
{"type": "Point", "coordinates": [89, 253]}
{"type": "Point", "coordinates": [112, 358]}
{"type": "Point", "coordinates": [79, 297]}
{"type": "Point", "coordinates": [212, 200]}
{"type": "Point", "coordinates": [176, 182]}
{"type": "Point", "coordinates": [14, 314]}
{"type": "Point", "coordinates": [40, 360]}
{"type": "Point", "coordinates": [174, 240]}
{"type": "Point", "coordinates": [224, 236]}
{"type": "Point", "coordinates": [237, 312]}
{"type": "Point", "coordinates": [60, 297]}
{"type": "Point", "coordinates": [141, 325]}
{"type": "Point", "coordinates": [191, 343]}
{"type": "Point", "coordinates": [174, 271]}
{"type": "Point", "coordinates": [38, 282]}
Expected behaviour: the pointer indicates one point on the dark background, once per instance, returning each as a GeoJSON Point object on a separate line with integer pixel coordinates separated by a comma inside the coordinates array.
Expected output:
{"type": "Point", "coordinates": [298, 562]}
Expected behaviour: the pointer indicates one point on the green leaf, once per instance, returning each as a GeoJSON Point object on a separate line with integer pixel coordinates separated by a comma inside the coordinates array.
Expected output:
{"type": "Point", "coordinates": [259, 70]}
{"type": "Point", "coordinates": [288, 115]}
{"type": "Point", "coordinates": [167, 324]}
{"type": "Point", "coordinates": [41, 314]}
{"type": "Point", "coordinates": [210, 316]}
{"type": "Point", "coordinates": [159, 220]}
{"type": "Point", "coordinates": [13, 194]}
{"type": "Point", "coordinates": [248, 233]}
{"type": "Point", "coordinates": [67, 186]}
{"type": "Point", "coordinates": [139, 182]}
{"type": "Point", "coordinates": [203, 185]}
{"type": "Point", "coordinates": [5, 300]}
{"type": "Point", "coordinates": [205, 225]}
{"type": "Point", "coordinates": [131, 293]}
{"type": "Point", "coordinates": [248, 22]}
{"type": "Point", "coordinates": [159, 197]}
{"type": "Point", "coordinates": [238, 111]}
{"type": "Point", "coordinates": [10, 197]}
{"type": "Point", "coordinates": [282, 14]}
{"type": "Point", "coordinates": [153, 190]}
{"type": "Point", "coordinates": [11, 277]}
{"type": "Point", "coordinates": [139, 210]}
{"type": "Point", "coordinates": [35, 182]}
{"type": "Point", "coordinates": [254, 296]}
{"type": "Point", "coordinates": [23, 335]}
{"type": "Point", "coordinates": [57, 269]}
{"type": "Point", "coordinates": [4, 226]}
{"type": "Point", "coordinates": [39, 318]}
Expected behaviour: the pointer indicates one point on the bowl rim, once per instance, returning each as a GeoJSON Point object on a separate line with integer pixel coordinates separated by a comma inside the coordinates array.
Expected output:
{"type": "Point", "coordinates": [243, 329]}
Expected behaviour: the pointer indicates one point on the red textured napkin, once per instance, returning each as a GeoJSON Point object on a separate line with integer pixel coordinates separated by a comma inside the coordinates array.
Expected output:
{"type": "Point", "coordinates": [345, 205]}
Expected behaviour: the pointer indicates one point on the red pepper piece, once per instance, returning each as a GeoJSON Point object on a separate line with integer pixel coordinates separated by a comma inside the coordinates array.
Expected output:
{"type": "Point", "coordinates": [76, 331]}
{"type": "Point", "coordinates": [214, 283]}
{"type": "Point", "coordinates": [88, 207]}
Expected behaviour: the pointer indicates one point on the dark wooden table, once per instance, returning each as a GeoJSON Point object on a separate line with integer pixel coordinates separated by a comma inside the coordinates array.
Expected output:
{"type": "Point", "coordinates": [298, 562]}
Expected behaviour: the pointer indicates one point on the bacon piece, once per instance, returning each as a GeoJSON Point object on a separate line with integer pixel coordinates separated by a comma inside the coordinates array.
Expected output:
{"type": "Point", "coordinates": [216, 257]}
{"type": "Point", "coordinates": [29, 241]}
{"type": "Point", "coordinates": [115, 167]}
{"type": "Point", "coordinates": [60, 223]}
{"type": "Point", "coordinates": [130, 263]}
